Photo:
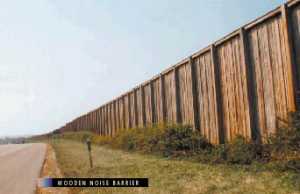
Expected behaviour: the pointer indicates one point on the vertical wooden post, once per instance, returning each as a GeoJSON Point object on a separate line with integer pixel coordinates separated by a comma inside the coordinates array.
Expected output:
{"type": "Point", "coordinates": [100, 121]}
{"type": "Point", "coordinates": [143, 106]}
{"type": "Point", "coordinates": [250, 77]}
{"type": "Point", "coordinates": [93, 121]}
{"type": "Point", "coordinates": [123, 112]}
{"type": "Point", "coordinates": [117, 114]}
{"type": "Point", "coordinates": [194, 95]}
{"type": "Point", "coordinates": [153, 116]}
{"type": "Point", "coordinates": [135, 108]}
{"type": "Point", "coordinates": [177, 97]}
{"type": "Point", "coordinates": [114, 120]}
{"type": "Point", "coordinates": [112, 128]}
{"type": "Point", "coordinates": [129, 110]}
{"type": "Point", "coordinates": [221, 132]}
{"type": "Point", "coordinates": [162, 94]}
{"type": "Point", "coordinates": [110, 118]}
{"type": "Point", "coordinates": [105, 120]}
{"type": "Point", "coordinates": [291, 66]}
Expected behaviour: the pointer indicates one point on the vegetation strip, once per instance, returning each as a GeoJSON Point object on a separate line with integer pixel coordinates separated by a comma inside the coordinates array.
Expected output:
{"type": "Point", "coordinates": [50, 169]}
{"type": "Point", "coordinates": [166, 175]}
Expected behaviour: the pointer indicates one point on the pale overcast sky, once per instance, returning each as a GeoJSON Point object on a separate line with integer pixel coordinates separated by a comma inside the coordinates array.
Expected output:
{"type": "Point", "coordinates": [62, 58]}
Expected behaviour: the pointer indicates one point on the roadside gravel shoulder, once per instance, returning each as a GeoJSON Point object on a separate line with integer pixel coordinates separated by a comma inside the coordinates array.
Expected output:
{"type": "Point", "coordinates": [50, 169]}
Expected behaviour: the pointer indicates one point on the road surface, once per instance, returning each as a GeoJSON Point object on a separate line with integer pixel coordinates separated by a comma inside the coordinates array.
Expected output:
{"type": "Point", "coordinates": [20, 166]}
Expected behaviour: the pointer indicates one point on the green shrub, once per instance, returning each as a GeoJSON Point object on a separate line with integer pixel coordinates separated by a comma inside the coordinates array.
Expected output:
{"type": "Point", "coordinates": [182, 140]}
{"type": "Point", "coordinates": [282, 148]}
{"type": "Point", "coordinates": [286, 141]}
{"type": "Point", "coordinates": [240, 151]}
{"type": "Point", "coordinates": [168, 140]}
{"type": "Point", "coordinates": [284, 145]}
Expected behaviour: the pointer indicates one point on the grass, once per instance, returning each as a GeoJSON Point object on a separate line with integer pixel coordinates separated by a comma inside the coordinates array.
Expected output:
{"type": "Point", "coordinates": [167, 175]}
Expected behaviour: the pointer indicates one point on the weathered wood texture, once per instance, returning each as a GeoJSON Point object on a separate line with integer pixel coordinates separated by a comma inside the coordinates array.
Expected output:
{"type": "Point", "coordinates": [157, 101]}
{"type": "Point", "coordinates": [185, 94]}
{"type": "Point", "coordinates": [148, 104]}
{"type": "Point", "coordinates": [268, 59]}
{"type": "Point", "coordinates": [295, 28]}
{"type": "Point", "coordinates": [170, 97]}
{"type": "Point", "coordinates": [242, 84]}
{"type": "Point", "coordinates": [233, 90]}
{"type": "Point", "coordinates": [207, 103]}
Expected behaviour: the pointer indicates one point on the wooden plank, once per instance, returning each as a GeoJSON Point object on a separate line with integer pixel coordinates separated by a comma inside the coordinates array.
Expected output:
{"type": "Point", "coordinates": [267, 78]}
{"type": "Point", "coordinates": [218, 94]}
{"type": "Point", "coordinates": [184, 92]}
{"type": "Point", "coordinates": [296, 39]}
{"type": "Point", "coordinates": [135, 108]}
{"type": "Point", "coordinates": [170, 97]}
{"type": "Point", "coordinates": [108, 119]}
{"type": "Point", "coordinates": [148, 104]}
{"type": "Point", "coordinates": [259, 94]}
{"type": "Point", "coordinates": [123, 112]}
{"type": "Point", "coordinates": [205, 96]}
{"type": "Point", "coordinates": [291, 67]}
{"type": "Point", "coordinates": [143, 106]}
{"type": "Point", "coordinates": [251, 107]}
{"type": "Point", "coordinates": [103, 120]}
{"type": "Point", "coordinates": [132, 116]}
{"type": "Point", "coordinates": [156, 86]}
{"type": "Point", "coordinates": [100, 121]}
{"type": "Point", "coordinates": [195, 110]}
{"type": "Point", "coordinates": [178, 116]}
{"type": "Point", "coordinates": [200, 89]}
{"type": "Point", "coordinates": [139, 107]}
{"type": "Point", "coordinates": [114, 117]}
{"type": "Point", "coordinates": [153, 107]}
{"type": "Point", "coordinates": [279, 70]}
{"type": "Point", "coordinates": [162, 94]}
{"type": "Point", "coordinates": [210, 133]}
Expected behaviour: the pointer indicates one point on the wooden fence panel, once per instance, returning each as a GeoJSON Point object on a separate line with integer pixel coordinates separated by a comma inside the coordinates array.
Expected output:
{"type": "Point", "coordinates": [99, 120]}
{"type": "Point", "coordinates": [234, 92]}
{"type": "Point", "coordinates": [113, 118]}
{"type": "Point", "coordinates": [133, 118]}
{"type": "Point", "coordinates": [207, 103]}
{"type": "Point", "coordinates": [295, 27]}
{"type": "Point", "coordinates": [170, 99]}
{"type": "Point", "coordinates": [121, 113]}
{"type": "Point", "coordinates": [117, 115]}
{"type": "Point", "coordinates": [92, 121]}
{"type": "Point", "coordinates": [140, 107]}
{"type": "Point", "coordinates": [185, 94]}
{"type": "Point", "coordinates": [148, 104]}
{"type": "Point", "coordinates": [268, 58]}
{"type": "Point", "coordinates": [103, 120]}
{"type": "Point", "coordinates": [157, 100]}
{"type": "Point", "coordinates": [127, 112]}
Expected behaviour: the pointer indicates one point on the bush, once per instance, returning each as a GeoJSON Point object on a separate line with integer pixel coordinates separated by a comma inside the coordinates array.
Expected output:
{"type": "Point", "coordinates": [284, 145]}
{"type": "Point", "coordinates": [240, 151]}
{"type": "Point", "coordinates": [182, 140]}
{"type": "Point", "coordinates": [168, 140]}
{"type": "Point", "coordinates": [283, 148]}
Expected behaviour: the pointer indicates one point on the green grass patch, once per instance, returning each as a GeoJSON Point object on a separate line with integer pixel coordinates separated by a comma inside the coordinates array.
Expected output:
{"type": "Point", "coordinates": [167, 175]}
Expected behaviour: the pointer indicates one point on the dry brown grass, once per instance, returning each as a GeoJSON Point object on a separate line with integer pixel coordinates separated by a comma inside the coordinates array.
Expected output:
{"type": "Point", "coordinates": [50, 169]}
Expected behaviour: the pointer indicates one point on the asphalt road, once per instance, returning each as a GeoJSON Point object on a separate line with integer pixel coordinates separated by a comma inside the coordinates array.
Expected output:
{"type": "Point", "coordinates": [20, 166]}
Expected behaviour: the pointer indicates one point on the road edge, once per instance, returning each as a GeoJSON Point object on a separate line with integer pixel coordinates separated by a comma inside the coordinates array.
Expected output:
{"type": "Point", "coordinates": [50, 169]}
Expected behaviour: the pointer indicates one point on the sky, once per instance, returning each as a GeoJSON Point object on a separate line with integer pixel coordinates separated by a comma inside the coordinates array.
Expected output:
{"type": "Point", "coordinates": [62, 58]}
